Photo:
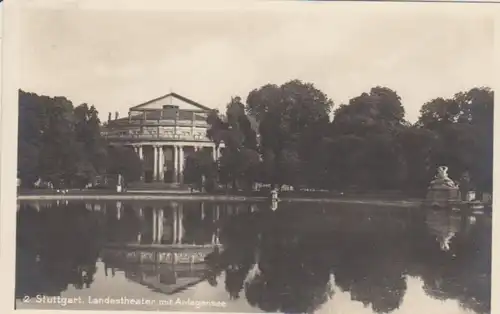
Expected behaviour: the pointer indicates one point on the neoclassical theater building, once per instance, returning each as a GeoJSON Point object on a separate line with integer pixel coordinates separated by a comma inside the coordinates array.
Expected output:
{"type": "Point", "coordinates": [163, 132]}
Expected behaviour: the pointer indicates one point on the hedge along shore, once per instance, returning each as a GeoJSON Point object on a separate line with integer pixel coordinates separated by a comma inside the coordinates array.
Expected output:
{"type": "Point", "coordinates": [228, 198]}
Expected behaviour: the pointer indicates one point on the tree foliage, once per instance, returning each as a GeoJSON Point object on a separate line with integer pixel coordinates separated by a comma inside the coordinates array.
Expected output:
{"type": "Point", "coordinates": [62, 144]}
{"type": "Point", "coordinates": [239, 162]}
{"type": "Point", "coordinates": [200, 170]}
{"type": "Point", "coordinates": [368, 144]}
{"type": "Point", "coordinates": [464, 126]}
{"type": "Point", "coordinates": [124, 161]}
{"type": "Point", "coordinates": [283, 134]}
{"type": "Point", "coordinates": [292, 118]}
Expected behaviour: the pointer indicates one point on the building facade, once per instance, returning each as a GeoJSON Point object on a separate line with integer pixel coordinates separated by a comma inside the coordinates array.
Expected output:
{"type": "Point", "coordinates": [163, 132]}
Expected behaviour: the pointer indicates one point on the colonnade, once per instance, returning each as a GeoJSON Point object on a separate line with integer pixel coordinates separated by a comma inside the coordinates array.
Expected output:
{"type": "Point", "coordinates": [158, 224]}
{"type": "Point", "coordinates": [180, 151]}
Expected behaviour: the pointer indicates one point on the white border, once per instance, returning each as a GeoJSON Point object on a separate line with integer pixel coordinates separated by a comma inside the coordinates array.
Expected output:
{"type": "Point", "coordinates": [9, 104]}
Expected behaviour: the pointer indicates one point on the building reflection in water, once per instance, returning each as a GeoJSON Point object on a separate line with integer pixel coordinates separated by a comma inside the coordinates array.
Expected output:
{"type": "Point", "coordinates": [444, 226]}
{"type": "Point", "coordinates": [172, 244]}
{"type": "Point", "coordinates": [288, 260]}
{"type": "Point", "coordinates": [166, 224]}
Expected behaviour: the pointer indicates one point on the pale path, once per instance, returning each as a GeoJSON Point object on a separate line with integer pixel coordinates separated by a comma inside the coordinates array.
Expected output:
{"type": "Point", "coordinates": [399, 203]}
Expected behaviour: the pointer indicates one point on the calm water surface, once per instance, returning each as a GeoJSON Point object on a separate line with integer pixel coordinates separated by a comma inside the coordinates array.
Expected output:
{"type": "Point", "coordinates": [242, 257]}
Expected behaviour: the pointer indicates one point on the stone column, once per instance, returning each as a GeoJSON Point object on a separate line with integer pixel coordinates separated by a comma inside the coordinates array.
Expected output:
{"type": "Point", "coordinates": [217, 212]}
{"type": "Point", "coordinates": [141, 157]}
{"type": "Point", "coordinates": [215, 234]}
{"type": "Point", "coordinates": [161, 163]}
{"type": "Point", "coordinates": [180, 228]}
{"type": "Point", "coordinates": [155, 163]}
{"type": "Point", "coordinates": [181, 164]}
{"type": "Point", "coordinates": [136, 150]}
{"type": "Point", "coordinates": [174, 227]}
{"type": "Point", "coordinates": [176, 163]}
{"type": "Point", "coordinates": [160, 225]}
{"type": "Point", "coordinates": [141, 154]}
{"type": "Point", "coordinates": [154, 236]}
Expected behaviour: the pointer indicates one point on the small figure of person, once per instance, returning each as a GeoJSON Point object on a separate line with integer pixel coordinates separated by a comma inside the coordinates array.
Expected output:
{"type": "Point", "coordinates": [274, 199]}
{"type": "Point", "coordinates": [119, 184]}
{"type": "Point", "coordinates": [274, 195]}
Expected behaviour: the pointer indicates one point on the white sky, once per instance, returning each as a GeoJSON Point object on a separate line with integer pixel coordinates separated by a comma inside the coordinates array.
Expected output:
{"type": "Point", "coordinates": [116, 59]}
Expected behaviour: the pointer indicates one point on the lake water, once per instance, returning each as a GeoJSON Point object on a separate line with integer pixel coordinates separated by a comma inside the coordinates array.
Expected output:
{"type": "Point", "coordinates": [244, 257]}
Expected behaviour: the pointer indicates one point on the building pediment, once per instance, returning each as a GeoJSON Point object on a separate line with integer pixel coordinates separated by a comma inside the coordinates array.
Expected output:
{"type": "Point", "coordinates": [171, 99]}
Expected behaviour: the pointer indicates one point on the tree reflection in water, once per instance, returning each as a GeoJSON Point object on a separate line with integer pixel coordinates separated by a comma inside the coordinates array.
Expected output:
{"type": "Point", "coordinates": [371, 268]}
{"type": "Point", "coordinates": [53, 255]}
{"type": "Point", "coordinates": [281, 260]}
{"type": "Point", "coordinates": [293, 278]}
{"type": "Point", "coordinates": [121, 228]}
{"type": "Point", "coordinates": [463, 272]}
{"type": "Point", "coordinates": [292, 275]}
{"type": "Point", "coordinates": [239, 236]}
{"type": "Point", "coordinates": [370, 256]}
{"type": "Point", "coordinates": [241, 245]}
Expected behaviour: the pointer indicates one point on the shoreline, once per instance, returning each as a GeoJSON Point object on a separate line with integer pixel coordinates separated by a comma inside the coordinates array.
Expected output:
{"type": "Point", "coordinates": [204, 197]}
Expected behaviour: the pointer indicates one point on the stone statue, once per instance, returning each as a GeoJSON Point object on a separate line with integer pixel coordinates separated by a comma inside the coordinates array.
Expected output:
{"type": "Point", "coordinates": [444, 242]}
{"type": "Point", "coordinates": [441, 179]}
{"type": "Point", "coordinates": [442, 190]}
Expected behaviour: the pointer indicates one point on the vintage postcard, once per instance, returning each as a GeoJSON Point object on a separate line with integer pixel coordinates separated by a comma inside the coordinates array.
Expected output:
{"type": "Point", "coordinates": [260, 156]}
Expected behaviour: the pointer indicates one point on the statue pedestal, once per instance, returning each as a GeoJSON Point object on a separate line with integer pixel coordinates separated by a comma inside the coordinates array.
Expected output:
{"type": "Point", "coordinates": [441, 196]}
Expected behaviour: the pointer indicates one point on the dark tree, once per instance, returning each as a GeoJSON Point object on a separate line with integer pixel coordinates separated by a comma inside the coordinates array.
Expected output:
{"type": "Point", "coordinates": [200, 166]}
{"type": "Point", "coordinates": [240, 160]}
{"type": "Point", "coordinates": [291, 118]}
{"type": "Point", "coordinates": [124, 161]}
